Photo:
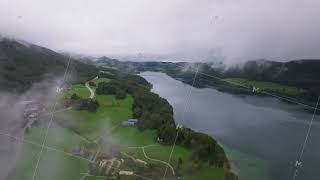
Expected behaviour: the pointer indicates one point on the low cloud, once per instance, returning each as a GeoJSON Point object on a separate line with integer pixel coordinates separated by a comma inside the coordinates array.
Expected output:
{"type": "Point", "coordinates": [192, 30]}
{"type": "Point", "coordinates": [13, 122]}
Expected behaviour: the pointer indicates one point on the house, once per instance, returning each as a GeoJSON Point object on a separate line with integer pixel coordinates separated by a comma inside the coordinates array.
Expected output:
{"type": "Point", "coordinates": [140, 162]}
{"type": "Point", "coordinates": [126, 173]}
{"type": "Point", "coordinates": [129, 122]}
{"type": "Point", "coordinates": [159, 140]}
{"type": "Point", "coordinates": [81, 151]}
{"type": "Point", "coordinates": [108, 167]}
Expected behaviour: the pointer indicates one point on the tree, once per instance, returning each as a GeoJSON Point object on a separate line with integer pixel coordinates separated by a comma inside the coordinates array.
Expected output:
{"type": "Point", "coordinates": [167, 133]}
{"type": "Point", "coordinates": [92, 84]}
{"type": "Point", "coordinates": [91, 105]}
{"type": "Point", "coordinates": [120, 94]}
{"type": "Point", "coordinates": [106, 88]}
{"type": "Point", "coordinates": [75, 97]}
{"type": "Point", "coordinates": [179, 163]}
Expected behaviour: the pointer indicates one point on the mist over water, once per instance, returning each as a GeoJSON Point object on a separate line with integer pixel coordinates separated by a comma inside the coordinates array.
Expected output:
{"type": "Point", "coordinates": [262, 127]}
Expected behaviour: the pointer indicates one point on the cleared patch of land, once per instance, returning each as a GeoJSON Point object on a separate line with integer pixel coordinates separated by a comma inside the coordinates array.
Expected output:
{"type": "Point", "coordinates": [53, 164]}
{"type": "Point", "coordinates": [265, 86]}
{"type": "Point", "coordinates": [79, 89]}
{"type": "Point", "coordinates": [110, 113]}
{"type": "Point", "coordinates": [99, 80]}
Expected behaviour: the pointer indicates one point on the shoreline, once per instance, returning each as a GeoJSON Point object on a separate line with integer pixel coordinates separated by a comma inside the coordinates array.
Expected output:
{"type": "Point", "coordinates": [252, 166]}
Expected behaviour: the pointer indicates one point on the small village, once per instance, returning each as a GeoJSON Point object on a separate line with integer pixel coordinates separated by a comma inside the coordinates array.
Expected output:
{"type": "Point", "coordinates": [107, 161]}
{"type": "Point", "coordinates": [31, 113]}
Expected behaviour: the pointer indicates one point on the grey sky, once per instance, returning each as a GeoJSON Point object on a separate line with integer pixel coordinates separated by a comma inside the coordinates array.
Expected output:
{"type": "Point", "coordinates": [240, 29]}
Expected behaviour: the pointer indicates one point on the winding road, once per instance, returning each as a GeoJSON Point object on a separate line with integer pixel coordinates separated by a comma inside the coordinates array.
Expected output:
{"type": "Point", "coordinates": [147, 157]}
{"type": "Point", "coordinates": [89, 88]}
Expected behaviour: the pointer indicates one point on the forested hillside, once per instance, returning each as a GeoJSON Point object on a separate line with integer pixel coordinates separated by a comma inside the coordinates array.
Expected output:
{"type": "Point", "coordinates": [21, 64]}
{"type": "Point", "coordinates": [295, 79]}
{"type": "Point", "coordinates": [300, 73]}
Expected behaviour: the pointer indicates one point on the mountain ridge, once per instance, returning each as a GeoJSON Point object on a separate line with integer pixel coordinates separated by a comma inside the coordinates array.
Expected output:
{"type": "Point", "coordinates": [22, 64]}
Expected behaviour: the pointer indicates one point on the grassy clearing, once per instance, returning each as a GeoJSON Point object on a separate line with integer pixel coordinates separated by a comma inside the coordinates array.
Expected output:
{"type": "Point", "coordinates": [26, 164]}
{"type": "Point", "coordinates": [59, 138]}
{"type": "Point", "coordinates": [107, 67]}
{"type": "Point", "coordinates": [97, 81]}
{"type": "Point", "coordinates": [78, 89]}
{"type": "Point", "coordinates": [266, 86]}
{"type": "Point", "coordinates": [207, 172]}
{"type": "Point", "coordinates": [53, 165]}
{"type": "Point", "coordinates": [94, 178]}
{"type": "Point", "coordinates": [110, 113]}
{"type": "Point", "coordinates": [163, 153]}
{"type": "Point", "coordinates": [131, 136]}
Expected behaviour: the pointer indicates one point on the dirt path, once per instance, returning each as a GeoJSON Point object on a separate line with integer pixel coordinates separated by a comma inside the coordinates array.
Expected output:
{"type": "Point", "coordinates": [89, 88]}
{"type": "Point", "coordinates": [145, 155]}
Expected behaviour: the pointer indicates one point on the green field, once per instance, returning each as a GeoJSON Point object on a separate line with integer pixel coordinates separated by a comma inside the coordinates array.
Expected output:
{"type": "Point", "coordinates": [79, 89]}
{"type": "Point", "coordinates": [107, 67]}
{"type": "Point", "coordinates": [105, 122]}
{"type": "Point", "coordinates": [97, 81]}
{"type": "Point", "coordinates": [110, 113]}
{"type": "Point", "coordinates": [265, 86]}
{"type": "Point", "coordinates": [53, 164]}
{"type": "Point", "coordinates": [206, 172]}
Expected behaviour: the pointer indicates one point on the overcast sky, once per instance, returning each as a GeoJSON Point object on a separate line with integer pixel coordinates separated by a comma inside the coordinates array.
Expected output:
{"type": "Point", "coordinates": [236, 29]}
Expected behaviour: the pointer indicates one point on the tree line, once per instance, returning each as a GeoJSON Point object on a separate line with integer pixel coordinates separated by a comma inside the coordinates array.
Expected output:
{"type": "Point", "coordinates": [79, 103]}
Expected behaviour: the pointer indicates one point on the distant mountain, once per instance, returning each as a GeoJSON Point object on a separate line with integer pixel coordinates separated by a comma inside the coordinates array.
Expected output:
{"type": "Point", "coordinates": [300, 73]}
{"type": "Point", "coordinates": [134, 66]}
{"type": "Point", "coordinates": [22, 64]}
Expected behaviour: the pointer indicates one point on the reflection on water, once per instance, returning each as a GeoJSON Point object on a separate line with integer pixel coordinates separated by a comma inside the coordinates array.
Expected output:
{"type": "Point", "coordinates": [258, 132]}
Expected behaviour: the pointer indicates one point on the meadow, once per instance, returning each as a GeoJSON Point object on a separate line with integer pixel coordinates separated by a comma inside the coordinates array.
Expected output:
{"type": "Point", "coordinates": [265, 86]}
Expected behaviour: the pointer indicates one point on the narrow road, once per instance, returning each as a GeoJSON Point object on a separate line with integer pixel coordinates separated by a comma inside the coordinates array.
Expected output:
{"type": "Point", "coordinates": [145, 155]}
{"type": "Point", "coordinates": [89, 88]}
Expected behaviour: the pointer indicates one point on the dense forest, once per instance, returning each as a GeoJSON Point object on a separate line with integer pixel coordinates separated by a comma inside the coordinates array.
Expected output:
{"type": "Point", "coordinates": [22, 64]}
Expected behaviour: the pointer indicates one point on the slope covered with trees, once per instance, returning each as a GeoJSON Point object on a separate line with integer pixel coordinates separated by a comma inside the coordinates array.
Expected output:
{"type": "Point", "coordinates": [22, 64]}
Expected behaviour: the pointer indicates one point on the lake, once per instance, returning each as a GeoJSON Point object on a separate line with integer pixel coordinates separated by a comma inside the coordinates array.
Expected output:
{"type": "Point", "coordinates": [262, 136]}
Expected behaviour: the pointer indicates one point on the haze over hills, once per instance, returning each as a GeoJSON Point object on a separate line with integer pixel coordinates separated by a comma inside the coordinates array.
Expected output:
{"type": "Point", "coordinates": [116, 92]}
{"type": "Point", "coordinates": [22, 64]}
{"type": "Point", "coordinates": [169, 89]}
{"type": "Point", "coordinates": [301, 75]}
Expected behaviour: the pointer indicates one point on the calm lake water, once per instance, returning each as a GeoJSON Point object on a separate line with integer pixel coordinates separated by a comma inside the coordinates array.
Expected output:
{"type": "Point", "coordinates": [261, 135]}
